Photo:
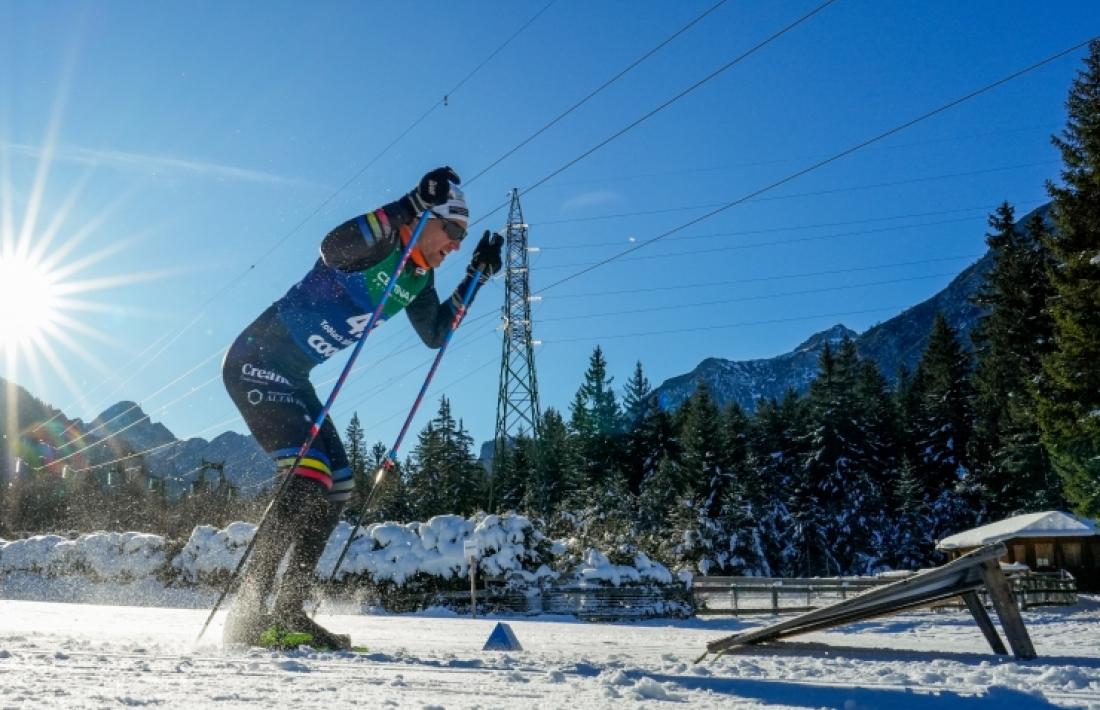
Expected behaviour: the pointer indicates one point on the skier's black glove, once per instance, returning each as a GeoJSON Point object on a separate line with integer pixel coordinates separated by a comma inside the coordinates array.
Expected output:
{"type": "Point", "coordinates": [486, 256]}
{"type": "Point", "coordinates": [433, 189]}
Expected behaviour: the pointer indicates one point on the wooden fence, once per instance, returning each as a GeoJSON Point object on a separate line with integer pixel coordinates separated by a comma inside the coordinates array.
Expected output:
{"type": "Point", "coordinates": [773, 595]}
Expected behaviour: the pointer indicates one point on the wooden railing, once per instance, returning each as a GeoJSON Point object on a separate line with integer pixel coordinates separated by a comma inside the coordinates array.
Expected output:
{"type": "Point", "coordinates": [774, 595]}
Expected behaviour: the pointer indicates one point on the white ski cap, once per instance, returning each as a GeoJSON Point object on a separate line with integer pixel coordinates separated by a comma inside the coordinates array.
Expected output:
{"type": "Point", "coordinates": [455, 207]}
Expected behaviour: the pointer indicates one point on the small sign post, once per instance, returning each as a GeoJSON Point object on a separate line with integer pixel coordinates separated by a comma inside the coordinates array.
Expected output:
{"type": "Point", "coordinates": [471, 552]}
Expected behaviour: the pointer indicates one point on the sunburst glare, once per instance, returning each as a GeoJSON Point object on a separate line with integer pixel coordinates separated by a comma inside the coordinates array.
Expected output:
{"type": "Point", "coordinates": [29, 301]}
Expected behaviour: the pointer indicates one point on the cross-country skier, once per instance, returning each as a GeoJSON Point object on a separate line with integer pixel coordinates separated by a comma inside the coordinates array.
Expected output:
{"type": "Point", "coordinates": [267, 374]}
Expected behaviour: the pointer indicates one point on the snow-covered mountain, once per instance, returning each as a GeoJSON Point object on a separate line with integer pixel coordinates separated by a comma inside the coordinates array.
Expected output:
{"type": "Point", "coordinates": [749, 381]}
{"type": "Point", "coordinates": [181, 462]}
{"type": "Point", "coordinates": [122, 430]}
{"type": "Point", "coordinates": [892, 344]}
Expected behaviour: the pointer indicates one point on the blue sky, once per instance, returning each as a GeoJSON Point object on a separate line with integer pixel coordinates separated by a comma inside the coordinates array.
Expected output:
{"type": "Point", "coordinates": [182, 161]}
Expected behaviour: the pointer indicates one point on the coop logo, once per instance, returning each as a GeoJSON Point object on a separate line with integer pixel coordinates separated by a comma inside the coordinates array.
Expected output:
{"type": "Point", "coordinates": [323, 347]}
{"type": "Point", "coordinates": [254, 373]}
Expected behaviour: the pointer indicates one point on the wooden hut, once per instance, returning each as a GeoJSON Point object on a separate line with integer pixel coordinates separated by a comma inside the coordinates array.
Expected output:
{"type": "Point", "coordinates": [1045, 542]}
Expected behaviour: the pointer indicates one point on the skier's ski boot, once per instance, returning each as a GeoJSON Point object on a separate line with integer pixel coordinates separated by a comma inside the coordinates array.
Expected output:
{"type": "Point", "coordinates": [295, 628]}
{"type": "Point", "coordinates": [244, 625]}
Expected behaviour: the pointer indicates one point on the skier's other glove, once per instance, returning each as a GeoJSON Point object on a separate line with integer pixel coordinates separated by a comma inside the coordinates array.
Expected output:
{"type": "Point", "coordinates": [433, 189]}
{"type": "Point", "coordinates": [486, 256]}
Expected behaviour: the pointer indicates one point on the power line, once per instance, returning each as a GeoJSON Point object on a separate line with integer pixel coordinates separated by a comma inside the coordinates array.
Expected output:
{"type": "Point", "coordinates": [742, 324]}
{"type": "Point", "coordinates": [776, 161]}
{"type": "Point", "coordinates": [795, 195]}
{"type": "Point", "coordinates": [743, 299]}
{"type": "Point", "coordinates": [983, 209]}
{"type": "Point", "coordinates": [663, 106]}
{"type": "Point", "coordinates": [827, 161]}
{"type": "Point", "coordinates": [603, 86]}
{"type": "Point", "coordinates": [758, 245]}
{"type": "Point", "coordinates": [774, 277]}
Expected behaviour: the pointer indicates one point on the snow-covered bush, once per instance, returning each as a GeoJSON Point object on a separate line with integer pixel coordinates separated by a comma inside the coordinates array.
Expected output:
{"type": "Point", "coordinates": [210, 555]}
{"type": "Point", "coordinates": [429, 557]}
{"type": "Point", "coordinates": [100, 556]}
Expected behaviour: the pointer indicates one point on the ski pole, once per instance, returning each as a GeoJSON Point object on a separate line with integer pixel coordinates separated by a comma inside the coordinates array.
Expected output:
{"type": "Point", "coordinates": [315, 428]}
{"type": "Point", "coordinates": [390, 461]}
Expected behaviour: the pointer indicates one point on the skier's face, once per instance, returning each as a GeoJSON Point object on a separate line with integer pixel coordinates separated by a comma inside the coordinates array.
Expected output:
{"type": "Point", "coordinates": [435, 244]}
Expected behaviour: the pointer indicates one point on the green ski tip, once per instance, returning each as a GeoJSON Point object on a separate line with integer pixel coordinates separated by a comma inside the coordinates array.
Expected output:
{"type": "Point", "coordinates": [279, 638]}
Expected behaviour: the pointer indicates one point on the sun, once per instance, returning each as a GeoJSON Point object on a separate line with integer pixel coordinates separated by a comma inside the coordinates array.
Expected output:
{"type": "Point", "coordinates": [29, 301]}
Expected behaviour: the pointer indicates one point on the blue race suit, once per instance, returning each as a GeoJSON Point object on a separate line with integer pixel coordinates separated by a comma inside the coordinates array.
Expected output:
{"type": "Point", "coordinates": [266, 370]}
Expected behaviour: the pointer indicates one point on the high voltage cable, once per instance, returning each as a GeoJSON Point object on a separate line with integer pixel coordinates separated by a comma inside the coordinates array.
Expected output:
{"type": "Point", "coordinates": [775, 161]}
{"type": "Point", "coordinates": [827, 161]}
{"type": "Point", "coordinates": [985, 209]}
{"type": "Point", "coordinates": [742, 299]}
{"type": "Point", "coordinates": [102, 424]}
{"type": "Point", "coordinates": [665, 105]}
{"type": "Point", "coordinates": [758, 245]}
{"type": "Point", "coordinates": [743, 324]}
{"type": "Point", "coordinates": [774, 277]}
{"type": "Point", "coordinates": [603, 86]}
{"type": "Point", "coordinates": [814, 193]}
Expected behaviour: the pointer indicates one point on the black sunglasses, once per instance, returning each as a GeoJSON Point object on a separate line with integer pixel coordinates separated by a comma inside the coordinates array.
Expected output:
{"type": "Point", "coordinates": [455, 231]}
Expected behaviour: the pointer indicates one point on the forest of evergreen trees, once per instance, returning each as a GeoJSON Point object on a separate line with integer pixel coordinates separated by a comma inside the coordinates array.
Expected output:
{"type": "Point", "coordinates": [852, 476]}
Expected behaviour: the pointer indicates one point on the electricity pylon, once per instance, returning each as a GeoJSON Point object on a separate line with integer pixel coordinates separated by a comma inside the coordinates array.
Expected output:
{"type": "Point", "coordinates": [518, 399]}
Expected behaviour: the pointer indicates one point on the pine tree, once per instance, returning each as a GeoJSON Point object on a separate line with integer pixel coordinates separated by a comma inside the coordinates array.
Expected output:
{"type": "Point", "coordinates": [776, 451]}
{"type": "Point", "coordinates": [942, 429]}
{"type": "Point", "coordinates": [596, 422]}
{"type": "Point", "coordinates": [743, 504]}
{"type": "Point", "coordinates": [1070, 388]}
{"type": "Point", "coordinates": [836, 467]}
{"type": "Point", "coordinates": [704, 479]}
{"type": "Point", "coordinates": [356, 445]}
{"type": "Point", "coordinates": [1013, 472]}
{"type": "Point", "coordinates": [638, 449]}
{"type": "Point", "coordinates": [911, 543]}
{"type": "Point", "coordinates": [444, 477]}
{"type": "Point", "coordinates": [556, 480]}
{"type": "Point", "coordinates": [391, 500]}
{"type": "Point", "coordinates": [512, 474]}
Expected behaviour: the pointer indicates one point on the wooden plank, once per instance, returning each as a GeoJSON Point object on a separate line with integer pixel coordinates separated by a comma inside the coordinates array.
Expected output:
{"type": "Point", "coordinates": [961, 574]}
{"type": "Point", "coordinates": [974, 604]}
{"type": "Point", "coordinates": [1007, 611]}
{"type": "Point", "coordinates": [773, 634]}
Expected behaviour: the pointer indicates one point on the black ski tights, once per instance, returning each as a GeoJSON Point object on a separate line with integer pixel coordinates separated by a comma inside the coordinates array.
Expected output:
{"type": "Point", "coordinates": [300, 521]}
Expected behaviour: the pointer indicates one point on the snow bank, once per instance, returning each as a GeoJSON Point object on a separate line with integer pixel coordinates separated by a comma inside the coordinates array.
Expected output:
{"type": "Point", "coordinates": [210, 552]}
{"type": "Point", "coordinates": [99, 556]}
{"type": "Point", "coordinates": [597, 568]}
{"type": "Point", "coordinates": [506, 546]}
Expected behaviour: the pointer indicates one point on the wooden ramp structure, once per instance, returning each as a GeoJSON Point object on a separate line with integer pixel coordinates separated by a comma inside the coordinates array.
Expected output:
{"type": "Point", "coordinates": [962, 577]}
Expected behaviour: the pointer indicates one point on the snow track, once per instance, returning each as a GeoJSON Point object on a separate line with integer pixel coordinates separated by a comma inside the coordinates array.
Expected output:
{"type": "Point", "coordinates": [77, 656]}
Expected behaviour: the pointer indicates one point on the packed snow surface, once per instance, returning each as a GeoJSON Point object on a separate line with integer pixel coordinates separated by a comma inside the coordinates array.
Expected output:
{"type": "Point", "coordinates": [89, 656]}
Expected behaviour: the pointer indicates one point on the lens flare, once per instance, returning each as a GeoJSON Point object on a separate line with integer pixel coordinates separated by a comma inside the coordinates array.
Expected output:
{"type": "Point", "coordinates": [29, 301]}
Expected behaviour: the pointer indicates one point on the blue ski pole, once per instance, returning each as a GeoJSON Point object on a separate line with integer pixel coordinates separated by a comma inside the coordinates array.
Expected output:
{"type": "Point", "coordinates": [315, 428]}
{"type": "Point", "coordinates": [390, 461]}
